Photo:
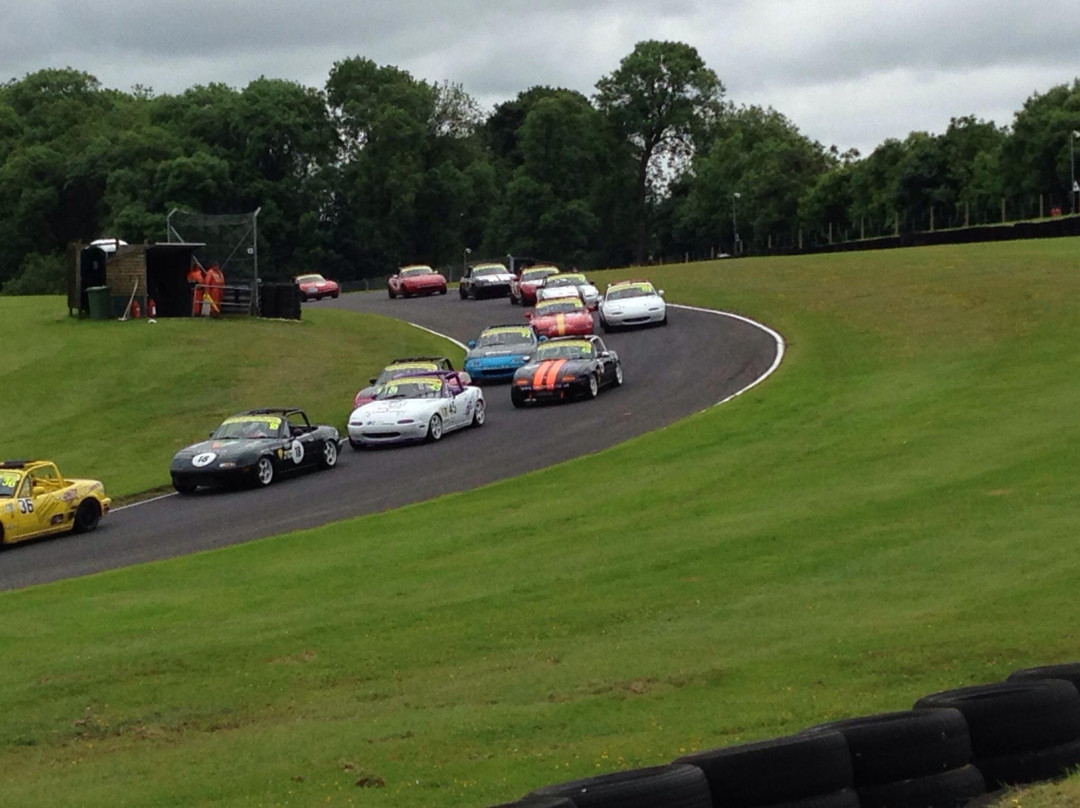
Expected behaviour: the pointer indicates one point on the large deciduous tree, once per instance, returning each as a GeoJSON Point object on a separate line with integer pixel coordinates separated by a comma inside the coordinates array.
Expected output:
{"type": "Point", "coordinates": [662, 99]}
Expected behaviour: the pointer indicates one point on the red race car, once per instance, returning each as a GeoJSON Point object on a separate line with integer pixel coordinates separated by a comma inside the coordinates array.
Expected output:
{"type": "Point", "coordinates": [416, 279]}
{"type": "Point", "coordinates": [523, 287]}
{"type": "Point", "coordinates": [560, 317]}
{"type": "Point", "coordinates": [314, 286]}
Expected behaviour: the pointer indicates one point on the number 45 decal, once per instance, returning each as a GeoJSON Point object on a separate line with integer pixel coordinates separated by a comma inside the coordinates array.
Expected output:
{"type": "Point", "coordinates": [26, 506]}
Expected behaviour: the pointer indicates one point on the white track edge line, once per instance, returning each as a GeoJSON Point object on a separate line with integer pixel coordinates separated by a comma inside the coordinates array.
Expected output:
{"type": "Point", "coordinates": [781, 346]}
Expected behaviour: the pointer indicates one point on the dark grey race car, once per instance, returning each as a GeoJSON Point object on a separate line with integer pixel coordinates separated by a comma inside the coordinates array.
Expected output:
{"type": "Point", "coordinates": [255, 446]}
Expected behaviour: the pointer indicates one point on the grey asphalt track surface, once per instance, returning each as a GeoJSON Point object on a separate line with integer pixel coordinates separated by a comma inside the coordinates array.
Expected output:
{"type": "Point", "coordinates": [695, 361]}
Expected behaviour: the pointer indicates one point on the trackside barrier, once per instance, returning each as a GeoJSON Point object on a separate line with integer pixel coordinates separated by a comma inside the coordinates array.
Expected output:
{"type": "Point", "coordinates": [953, 748]}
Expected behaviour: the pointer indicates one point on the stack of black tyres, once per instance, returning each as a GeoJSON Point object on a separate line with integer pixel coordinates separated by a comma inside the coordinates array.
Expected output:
{"type": "Point", "coordinates": [1022, 731]}
{"type": "Point", "coordinates": [910, 759]}
{"type": "Point", "coordinates": [672, 786]}
{"type": "Point", "coordinates": [811, 770]}
{"type": "Point", "coordinates": [280, 300]}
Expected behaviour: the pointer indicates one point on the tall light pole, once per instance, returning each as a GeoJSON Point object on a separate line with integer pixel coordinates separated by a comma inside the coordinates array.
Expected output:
{"type": "Point", "coordinates": [735, 223]}
{"type": "Point", "coordinates": [1072, 169]}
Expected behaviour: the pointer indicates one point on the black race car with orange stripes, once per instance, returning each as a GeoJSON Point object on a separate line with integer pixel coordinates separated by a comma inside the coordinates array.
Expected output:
{"type": "Point", "coordinates": [564, 368]}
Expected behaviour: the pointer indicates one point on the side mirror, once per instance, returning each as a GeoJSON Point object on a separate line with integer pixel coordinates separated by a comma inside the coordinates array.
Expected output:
{"type": "Point", "coordinates": [543, 338]}
{"type": "Point", "coordinates": [661, 293]}
{"type": "Point", "coordinates": [528, 315]}
{"type": "Point", "coordinates": [371, 380]}
{"type": "Point", "coordinates": [471, 343]}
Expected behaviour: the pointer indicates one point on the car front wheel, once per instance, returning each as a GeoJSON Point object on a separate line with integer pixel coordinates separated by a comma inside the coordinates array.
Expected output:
{"type": "Point", "coordinates": [594, 387]}
{"type": "Point", "coordinates": [618, 374]}
{"type": "Point", "coordinates": [264, 471]}
{"type": "Point", "coordinates": [183, 485]}
{"type": "Point", "coordinates": [87, 516]}
{"type": "Point", "coordinates": [434, 429]}
{"type": "Point", "coordinates": [479, 414]}
{"type": "Point", "coordinates": [329, 456]}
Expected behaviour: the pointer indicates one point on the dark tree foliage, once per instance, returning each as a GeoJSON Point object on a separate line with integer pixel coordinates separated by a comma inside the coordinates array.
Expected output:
{"type": "Point", "coordinates": [379, 168]}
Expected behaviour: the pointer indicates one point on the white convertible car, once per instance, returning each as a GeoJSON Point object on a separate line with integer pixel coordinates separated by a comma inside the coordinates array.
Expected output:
{"type": "Point", "coordinates": [419, 407]}
{"type": "Point", "coordinates": [630, 303]}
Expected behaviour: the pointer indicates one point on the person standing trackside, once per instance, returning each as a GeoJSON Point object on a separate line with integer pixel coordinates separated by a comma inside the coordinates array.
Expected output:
{"type": "Point", "coordinates": [196, 280]}
{"type": "Point", "coordinates": [215, 288]}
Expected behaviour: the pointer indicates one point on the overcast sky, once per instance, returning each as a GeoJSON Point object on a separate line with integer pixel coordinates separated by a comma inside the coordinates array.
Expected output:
{"type": "Point", "coordinates": [849, 73]}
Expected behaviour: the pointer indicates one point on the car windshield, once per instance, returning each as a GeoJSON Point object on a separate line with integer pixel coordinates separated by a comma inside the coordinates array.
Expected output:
{"type": "Point", "coordinates": [248, 426]}
{"type": "Point", "coordinates": [563, 350]}
{"type": "Point", "coordinates": [394, 371]}
{"type": "Point", "coordinates": [560, 305]}
{"type": "Point", "coordinates": [9, 481]}
{"type": "Point", "coordinates": [309, 278]}
{"type": "Point", "coordinates": [410, 387]}
{"type": "Point", "coordinates": [505, 336]}
{"type": "Point", "coordinates": [538, 274]}
{"type": "Point", "coordinates": [495, 269]}
{"type": "Point", "coordinates": [563, 280]}
{"type": "Point", "coordinates": [623, 292]}
{"type": "Point", "coordinates": [410, 272]}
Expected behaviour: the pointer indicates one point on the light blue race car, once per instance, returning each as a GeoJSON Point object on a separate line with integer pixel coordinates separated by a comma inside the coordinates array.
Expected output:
{"type": "Point", "coordinates": [499, 351]}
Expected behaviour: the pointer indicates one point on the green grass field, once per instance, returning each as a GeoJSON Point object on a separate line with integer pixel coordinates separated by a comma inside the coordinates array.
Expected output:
{"type": "Point", "coordinates": [891, 514]}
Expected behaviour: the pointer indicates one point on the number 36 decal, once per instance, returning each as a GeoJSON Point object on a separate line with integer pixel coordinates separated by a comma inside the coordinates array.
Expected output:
{"type": "Point", "coordinates": [26, 506]}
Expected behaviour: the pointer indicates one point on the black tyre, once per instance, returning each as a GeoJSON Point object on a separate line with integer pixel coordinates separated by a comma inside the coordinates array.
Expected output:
{"type": "Point", "coordinates": [618, 375]}
{"type": "Point", "coordinates": [674, 786]}
{"type": "Point", "coordinates": [391, 293]}
{"type": "Point", "coordinates": [329, 456]}
{"type": "Point", "coordinates": [814, 764]}
{"type": "Point", "coordinates": [357, 445]}
{"type": "Point", "coordinates": [1010, 717]}
{"type": "Point", "coordinates": [1030, 767]}
{"type": "Point", "coordinates": [847, 798]}
{"type": "Point", "coordinates": [184, 485]}
{"type": "Point", "coordinates": [902, 745]}
{"type": "Point", "coordinates": [461, 291]}
{"type": "Point", "coordinates": [479, 414]}
{"type": "Point", "coordinates": [264, 471]}
{"type": "Point", "coordinates": [1069, 671]}
{"type": "Point", "coordinates": [951, 789]}
{"type": "Point", "coordinates": [514, 301]}
{"type": "Point", "coordinates": [335, 295]}
{"type": "Point", "coordinates": [538, 802]}
{"type": "Point", "coordinates": [442, 291]}
{"type": "Point", "coordinates": [517, 399]}
{"type": "Point", "coordinates": [434, 428]}
{"type": "Point", "coordinates": [87, 516]}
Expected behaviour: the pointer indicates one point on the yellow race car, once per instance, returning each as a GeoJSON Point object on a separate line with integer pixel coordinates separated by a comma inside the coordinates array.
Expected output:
{"type": "Point", "coordinates": [36, 501]}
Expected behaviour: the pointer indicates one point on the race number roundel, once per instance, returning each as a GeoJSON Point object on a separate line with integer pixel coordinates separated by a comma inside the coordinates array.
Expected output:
{"type": "Point", "coordinates": [204, 459]}
{"type": "Point", "coordinates": [297, 452]}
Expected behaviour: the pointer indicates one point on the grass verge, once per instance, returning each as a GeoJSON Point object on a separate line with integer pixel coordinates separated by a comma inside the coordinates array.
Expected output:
{"type": "Point", "coordinates": [893, 513]}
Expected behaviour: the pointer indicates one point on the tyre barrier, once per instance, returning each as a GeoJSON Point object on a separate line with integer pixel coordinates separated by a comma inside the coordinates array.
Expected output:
{"type": "Point", "coordinates": [814, 765]}
{"type": "Point", "coordinates": [672, 786]}
{"type": "Point", "coordinates": [950, 750]}
{"type": "Point", "coordinates": [910, 759]}
{"type": "Point", "coordinates": [1022, 731]}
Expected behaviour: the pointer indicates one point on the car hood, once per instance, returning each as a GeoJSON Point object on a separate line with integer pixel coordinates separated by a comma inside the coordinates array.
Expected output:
{"type": "Point", "coordinates": [231, 449]}
{"type": "Point", "coordinates": [634, 303]}
{"type": "Point", "coordinates": [567, 366]}
{"type": "Point", "coordinates": [394, 409]}
{"type": "Point", "coordinates": [489, 351]}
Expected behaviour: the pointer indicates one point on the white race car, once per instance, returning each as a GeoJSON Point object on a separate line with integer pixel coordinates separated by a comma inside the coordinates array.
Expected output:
{"type": "Point", "coordinates": [557, 286]}
{"type": "Point", "coordinates": [419, 407]}
{"type": "Point", "coordinates": [630, 303]}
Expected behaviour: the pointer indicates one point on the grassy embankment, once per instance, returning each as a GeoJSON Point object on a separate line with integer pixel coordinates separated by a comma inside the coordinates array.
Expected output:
{"type": "Point", "coordinates": [892, 514]}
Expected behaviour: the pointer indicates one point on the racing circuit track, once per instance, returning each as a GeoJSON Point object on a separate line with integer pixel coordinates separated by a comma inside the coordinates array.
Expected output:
{"type": "Point", "coordinates": [697, 360]}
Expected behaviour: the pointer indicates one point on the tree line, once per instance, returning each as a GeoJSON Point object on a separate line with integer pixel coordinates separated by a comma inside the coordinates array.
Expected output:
{"type": "Point", "coordinates": [380, 168]}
